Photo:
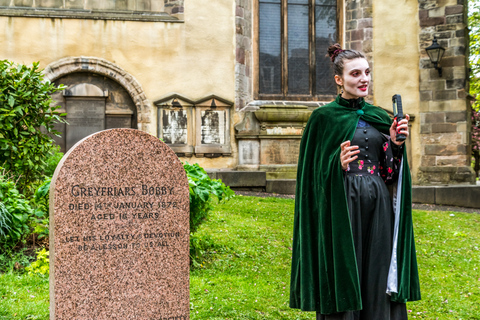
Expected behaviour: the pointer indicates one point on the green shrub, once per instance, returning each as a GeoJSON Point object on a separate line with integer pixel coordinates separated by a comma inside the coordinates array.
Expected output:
{"type": "Point", "coordinates": [202, 188]}
{"type": "Point", "coordinates": [54, 157]}
{"type": "Point", "coordinates": [41, 265]}
{"type": "Point", "coordinates": [15, 213]}
{"type": "Point", "coordinates": [40, 205]}
{"type": "Point", "coordinates": [27, 118]}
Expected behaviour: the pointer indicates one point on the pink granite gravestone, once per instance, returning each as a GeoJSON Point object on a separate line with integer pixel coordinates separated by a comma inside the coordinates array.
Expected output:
{"type": "Point", "coordinates": [119, 230]}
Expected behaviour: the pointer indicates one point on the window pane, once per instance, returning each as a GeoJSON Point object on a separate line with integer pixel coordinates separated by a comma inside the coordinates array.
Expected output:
{"type": "Point", "coordinates": [298, 57]}
{"type": "Point", "coordinates": [326, 2]}
{"type": "Point", "coordinates": [270, 47]}
{"type": "Point", "coordinates": [298, 1]}
{"type": "Point", "coordinates": [325, 35]}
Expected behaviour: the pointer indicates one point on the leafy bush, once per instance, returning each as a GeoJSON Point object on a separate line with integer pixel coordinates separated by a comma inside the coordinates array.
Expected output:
{"type": "Point", "coordinates": [15, 212]}
{"type": "Point", "coordinates": [201, 190]}
{"type": "Point", "coordinates": [41, 209]}
{"type": "Point", "coordinates": [27, 118]}
{"type": "Point", "coordinates": [41, 265]}
{"type": "Point", "coordinates": [54, 157]}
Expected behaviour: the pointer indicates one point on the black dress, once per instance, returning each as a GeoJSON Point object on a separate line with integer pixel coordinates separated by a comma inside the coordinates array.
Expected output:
{"type": "Point", "coordinates": [372, 222]}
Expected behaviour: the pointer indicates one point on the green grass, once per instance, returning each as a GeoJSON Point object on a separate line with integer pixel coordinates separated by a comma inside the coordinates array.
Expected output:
{"type": "Point", "coordinates": [23, 297]}
{"type": "Point", "coordinates": [448, 253]}
{"type": "Point", "coordinates": [246, 274]}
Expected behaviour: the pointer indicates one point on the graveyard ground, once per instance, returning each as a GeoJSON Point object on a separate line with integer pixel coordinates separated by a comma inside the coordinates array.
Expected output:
{"type": "Point", "coordinates": [243, 271]}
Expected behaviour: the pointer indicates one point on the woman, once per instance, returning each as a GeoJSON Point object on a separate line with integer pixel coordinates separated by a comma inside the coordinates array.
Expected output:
{"type": "Point", "coordinates": [353, 247]}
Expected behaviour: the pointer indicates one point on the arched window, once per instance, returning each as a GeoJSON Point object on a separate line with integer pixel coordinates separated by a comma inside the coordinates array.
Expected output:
{"type": "Point", "coordinates": [293, 37]}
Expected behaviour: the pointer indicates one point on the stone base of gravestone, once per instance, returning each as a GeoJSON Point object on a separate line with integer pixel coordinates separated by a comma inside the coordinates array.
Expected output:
{"type": "Point", "coordinates": [119, 230]}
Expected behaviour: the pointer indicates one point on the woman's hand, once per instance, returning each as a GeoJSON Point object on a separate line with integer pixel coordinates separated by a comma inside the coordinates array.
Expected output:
{"type": "Point", "coordinates": [402, 127]}
{"type": "Point", "coordinates": [348, 153]}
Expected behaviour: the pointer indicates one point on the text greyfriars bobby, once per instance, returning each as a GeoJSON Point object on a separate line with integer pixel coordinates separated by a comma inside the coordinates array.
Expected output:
{"type": "Point", "coordinates": [145, 190]}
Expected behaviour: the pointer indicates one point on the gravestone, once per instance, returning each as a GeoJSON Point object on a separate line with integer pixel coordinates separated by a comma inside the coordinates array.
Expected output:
{"type": "Point", "coordinates": [119, 230]}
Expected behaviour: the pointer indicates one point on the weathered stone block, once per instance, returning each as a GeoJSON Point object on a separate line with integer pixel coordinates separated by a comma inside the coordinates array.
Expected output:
{"type": "Point", "coordinates": [432, 21]}
{"type": "Point", "coordinates": [458, 105]}
{"type": "Point", "coordinates": [453, 138]}
{"type": "Point", "coordinates": [286, 186]}
{"type": "Point", "coordinates": [445, 95]}
{"type": "Point", "coordinates": [23, 3]}
{"type": "Point", "coordinates": [242, 179]}
{"type": "Point", "coordinates": [356, 35]}
{"type": "Point", "coordinates": [365, 23]}
{"type": "Point", "coordinates": [436, 85]}
{"type": "Point", "coordinates": [421, 194]}
{"type": "Point", "coordinates": [462, 126]}
{"type": "Point", "coordinates": [457, 161]}
{"type": "Point", "coordinates": [54, 4]}
{"type": "Point", "coordinates": [458, 42]}
{"type": "Point", "coordinates": [444, 127]}
{"type": "Point", "coordinates": [462, 196]}
{"type": "Point", "coordinates": [456, 116]}
{"type": "Point", "coordinates": [453, 61]}
{"type": "Point", "coordinates": [460, 33]}
{"type": "Point", "coordinates": [444, 35]}
{"type": "Point", "coordinates": [446, 27]}
{"type": "Point", "coordinates": [435, 149]}
{"type": "Point", "coordinates": [462, 149]}
{"type": "Point", "coordinates": [428, 161]}
{"type": "Point", "coordinates": [456, 84]}
{"type": "Point", "coordinates": [455, 19]}
{"type": "Point", "coordinates": [426, 95]}
{"type": "Point", "coordinates": [425, 128]}
{"type": "Point", "coordinates": [434, 117]}
{"type": "Point", "coordinates": [425, 106]}
{"type": "Point", "coordinates": [351, 25]}
{"type": "Point", "coordinates": [436, 12]}
{"type": "Point", "coordinates": [74, 4]}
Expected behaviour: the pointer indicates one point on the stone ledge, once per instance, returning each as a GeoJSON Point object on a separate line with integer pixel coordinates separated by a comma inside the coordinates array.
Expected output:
{"type": "Point", "coordinates": [240, 179]}
{"type": "Point", "coordinates": [460, 196]}
{"type": "Point", "coordinates": [285, 186]}
{"type": "Point", "coordinates": [87, 14]}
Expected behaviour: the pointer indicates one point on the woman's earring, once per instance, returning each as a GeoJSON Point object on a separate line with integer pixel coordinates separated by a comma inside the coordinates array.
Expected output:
{"type": "Point", "coordinates": [341, 90]}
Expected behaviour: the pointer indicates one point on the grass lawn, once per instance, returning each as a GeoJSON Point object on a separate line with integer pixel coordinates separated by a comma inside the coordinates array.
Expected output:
{"type": "Point", "coordinates": [246, 273]}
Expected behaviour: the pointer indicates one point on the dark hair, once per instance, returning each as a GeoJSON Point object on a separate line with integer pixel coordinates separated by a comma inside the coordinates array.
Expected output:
{"type": "Point", "coordinates": [338, 57]}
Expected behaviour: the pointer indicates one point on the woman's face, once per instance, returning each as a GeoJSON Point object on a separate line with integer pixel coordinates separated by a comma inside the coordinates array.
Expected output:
{"type": "Point", "coordinates": [355, 79]}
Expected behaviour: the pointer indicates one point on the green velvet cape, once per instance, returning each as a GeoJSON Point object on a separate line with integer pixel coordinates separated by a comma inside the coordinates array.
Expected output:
{"type": "Point", "coordinates": [324, 274]}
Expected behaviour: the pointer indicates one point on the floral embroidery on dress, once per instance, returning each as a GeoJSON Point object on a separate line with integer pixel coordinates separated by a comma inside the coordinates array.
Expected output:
{"type": "Point", "coordinates": [361, 167]}
{"type": "Point", "coordinates": [371, 170]}
{"type": "Point", "coordinates": [393, 157]}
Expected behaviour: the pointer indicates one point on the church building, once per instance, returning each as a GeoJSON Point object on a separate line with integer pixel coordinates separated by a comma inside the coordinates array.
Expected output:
{"type": "Point", "coordinates": [230, 84]}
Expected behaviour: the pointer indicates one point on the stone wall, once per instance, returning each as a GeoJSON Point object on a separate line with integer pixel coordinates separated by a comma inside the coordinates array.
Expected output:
{"type": "Point", "coordinates": [96, 9]}
{"type": "Point", "coordinates": [244, 53]}
{"type": "Point", "coordinates": [359, 30]}
{"type": "Point", "coordinates": [444, 115]}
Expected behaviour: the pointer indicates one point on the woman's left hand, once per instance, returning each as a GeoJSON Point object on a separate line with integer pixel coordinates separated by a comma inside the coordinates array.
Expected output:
{"type": "Point", "coordinates": [402, 127]}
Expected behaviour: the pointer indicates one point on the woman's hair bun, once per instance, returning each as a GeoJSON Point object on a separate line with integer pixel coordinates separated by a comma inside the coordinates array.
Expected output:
{"type": "Point", "coordinates": [334, 50]}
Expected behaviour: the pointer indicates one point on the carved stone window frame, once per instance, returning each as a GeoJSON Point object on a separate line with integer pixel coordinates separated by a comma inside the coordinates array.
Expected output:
{"type": "Point", "coordinates": [177, 102]}
{"type": "Point", "coordinates": [211, 108]}
{"type": "Point", "coordinates": [213, 103]}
